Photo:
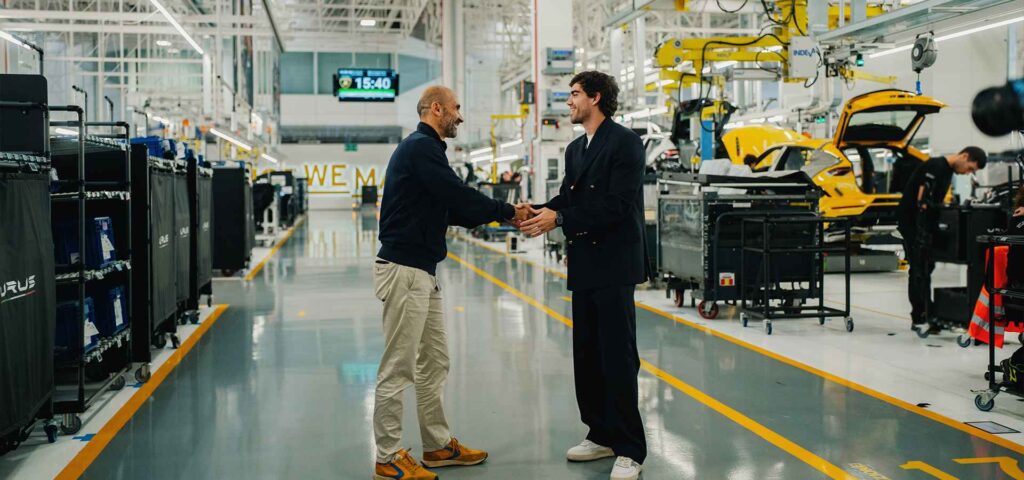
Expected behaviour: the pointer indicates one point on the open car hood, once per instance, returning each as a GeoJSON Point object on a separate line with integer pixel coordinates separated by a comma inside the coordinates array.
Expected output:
{"type": "Point", "coordinates": [884, 117]}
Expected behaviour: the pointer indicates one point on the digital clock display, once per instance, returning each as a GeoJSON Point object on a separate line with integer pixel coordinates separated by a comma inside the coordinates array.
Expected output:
{"type": "Point", "coordinates": [367, 85]}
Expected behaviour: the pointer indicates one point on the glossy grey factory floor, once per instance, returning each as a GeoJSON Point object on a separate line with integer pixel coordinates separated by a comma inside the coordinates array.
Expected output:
{"type": "Point", "coordinates": [282, 387]}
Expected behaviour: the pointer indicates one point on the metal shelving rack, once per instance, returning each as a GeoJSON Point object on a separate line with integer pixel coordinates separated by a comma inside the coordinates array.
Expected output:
{"type": "Point", "coordinates": [985, 400]}
{"type": "Point", "coordinates": [101, 367]}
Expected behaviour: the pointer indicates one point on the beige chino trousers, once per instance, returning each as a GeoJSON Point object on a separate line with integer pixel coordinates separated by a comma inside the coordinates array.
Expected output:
{"type": "Point", "coordinates": [415, 353]}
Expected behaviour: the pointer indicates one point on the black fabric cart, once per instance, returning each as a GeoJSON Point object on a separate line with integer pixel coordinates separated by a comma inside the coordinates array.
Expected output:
{"type": "Point", "coordinates": [200, 180]}
{"type": "Point", "coordinates": [28, 305]}
{"type": "Point", "coordinates": [155, 279]}
{"type": "Point", "coordinates": [234, 227]}
{"type": "Point", "coordinates": [183, 241]}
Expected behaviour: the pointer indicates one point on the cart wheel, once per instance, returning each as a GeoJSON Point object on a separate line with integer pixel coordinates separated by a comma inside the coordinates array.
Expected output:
{"type": "Point", "coordinates": [51, 433]}
{"type": "Point", "coordinates": [744, 319]}
{"type": "Point", "coordinates": [142, 374]}
{"type": "Point", "coordinates": [680, 298]}
{"type": "Point", "coordinates": [964, 340]}
{"type": "Point", "coordinates": [849, 324]}
{"type": "Point", "coordinates": [119, 383]}
{"type": "Point", "coordinates": [707, 310]}
{"type": "Point", "coordinates": [175, 341]}
{"type": "Point", "coordinates": [923, 331]}
{"type": "Point", "coordinates": [209, 301]}
{"type": "Point", "coordinates": [159, 340]}
{"type": "Point", "coordinates": [767, 327]}
{"type": "Point", "coordinates": [983, 405]}
{"type": "Point", "coordinates": [821, 320]}
{"type": "Point", "coordinates": [193, 317]}
{"type": "Point", "coordinates": [228, 272]}
{"type": "Point", "coordinates": [71, 424]}
{"type": "Point", "coordinates": [988, 376]}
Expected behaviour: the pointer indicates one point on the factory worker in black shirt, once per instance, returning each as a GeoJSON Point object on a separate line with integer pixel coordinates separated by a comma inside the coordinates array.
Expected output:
{"type": "Point", "coordinates": [917, 214]}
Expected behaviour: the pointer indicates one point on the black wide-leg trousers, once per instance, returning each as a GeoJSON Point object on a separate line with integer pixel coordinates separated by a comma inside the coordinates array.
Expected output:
{"type": "Point", "coordinates": [606, 365]}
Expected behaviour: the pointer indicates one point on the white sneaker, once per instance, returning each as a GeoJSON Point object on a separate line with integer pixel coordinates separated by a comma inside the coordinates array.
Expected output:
{"type": "Point", "coordinates": [587, 451]}
{"type": "Point", "coordinates": [626, 469]}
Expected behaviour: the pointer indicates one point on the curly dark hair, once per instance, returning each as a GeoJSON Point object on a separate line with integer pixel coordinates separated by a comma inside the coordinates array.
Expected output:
{"type": "Point", "coordinates": [593, 82]}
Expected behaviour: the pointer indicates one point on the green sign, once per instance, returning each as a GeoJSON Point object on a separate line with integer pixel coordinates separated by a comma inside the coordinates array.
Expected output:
{"type": "Point", "coordinates": [351, 147]}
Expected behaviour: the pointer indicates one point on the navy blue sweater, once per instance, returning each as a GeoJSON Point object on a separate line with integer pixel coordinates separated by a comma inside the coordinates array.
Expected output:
{"type": "Point", "coordinates": [422, 196]}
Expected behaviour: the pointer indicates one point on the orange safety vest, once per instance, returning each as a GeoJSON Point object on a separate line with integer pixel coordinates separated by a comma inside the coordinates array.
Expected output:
{"type": "Point", "coordinates": [980, 320]}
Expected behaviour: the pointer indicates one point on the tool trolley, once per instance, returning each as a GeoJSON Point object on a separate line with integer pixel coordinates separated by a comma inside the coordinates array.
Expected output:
{"type": "Point", "coordinates": [699, 221]}
{"type": "Point", "coordinates": [780, 250]}
{"type": "Point", "coordinates": [1013, 378]}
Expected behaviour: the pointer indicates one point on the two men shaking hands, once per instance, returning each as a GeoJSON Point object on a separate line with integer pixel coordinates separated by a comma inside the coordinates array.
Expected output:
{"type": "Point", "coordinates": [599, 207]}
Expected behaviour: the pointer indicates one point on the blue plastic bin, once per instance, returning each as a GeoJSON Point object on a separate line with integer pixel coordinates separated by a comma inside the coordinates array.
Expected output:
{"type": "Point", "coordinates": [99, 238]}
{"type": "Point", "coordinates": [111, 311]}
{"type": "Point", "coordinates": [69, 339]}
{"type": "Point", "coordinates": [153, 143]}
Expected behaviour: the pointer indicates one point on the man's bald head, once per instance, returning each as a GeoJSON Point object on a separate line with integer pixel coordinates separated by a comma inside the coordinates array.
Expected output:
{"type": "Point", "coordinates": [434, 94]}
{"type": "Point", "coordinates": [439, 108]}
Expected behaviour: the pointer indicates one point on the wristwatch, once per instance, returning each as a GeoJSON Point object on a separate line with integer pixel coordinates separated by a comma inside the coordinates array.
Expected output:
{"type": "Point", "coordinates": [558, 219]}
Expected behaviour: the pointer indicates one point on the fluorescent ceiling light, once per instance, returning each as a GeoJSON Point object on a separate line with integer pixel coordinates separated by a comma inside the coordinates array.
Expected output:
{"type": "Point", "coordinates": [512, 143]}
{"type": "Point", "coordinates": [65, 131]}
{"type": "Point", "coordinates": [480, 151]}
{"type": "Point", "coordinates": [163, 43]}
{"type": "Point", "coordinates": [951, 36]}
{"type": "Point", "coordinates": [177, 26]}
{"type": "Point", "coordinates": [161, 120]}
{"type": "Point", "coordinates": [367, 22]}
{"type": "Point", "coordinates": [231, 139]}
{"type": "Point", "coordinates": [269, 158]}
{"type": "Point", "coordinates": [506, 158]}
{"type": "Point", "coordinates": [476, 160]}
{"type": "Point", "coordinates": [173, 50]}
{"type": "Point", "coordinates": [11, 38]}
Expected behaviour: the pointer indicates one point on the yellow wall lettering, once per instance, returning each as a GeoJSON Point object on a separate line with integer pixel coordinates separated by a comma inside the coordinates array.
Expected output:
{"type": "Point", "coordinates": [338, 175]}
{"type": "Point", "coordinates": [316, 175]}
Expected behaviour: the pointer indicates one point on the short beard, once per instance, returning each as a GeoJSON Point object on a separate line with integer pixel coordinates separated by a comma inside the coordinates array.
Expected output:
{"type": "Point", "coordinates": [579, 118]}
{"type": "Point", "coordinates": [450, 126]}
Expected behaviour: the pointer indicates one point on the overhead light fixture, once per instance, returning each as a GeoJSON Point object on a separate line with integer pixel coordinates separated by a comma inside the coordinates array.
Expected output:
{"type": "Point", "coordinates": [163, 43]}
{"type": "Point", "coordinates": [367, 22]}
{"type": "Point", "coordinates": [173, 50]}
{"type": "Point", "coordinates": [237, 142]}
{"type": "Point", "coordinates": [269, 158]}
{"type": "Point", "coordinates": [15, 40]}
{"type": "Point", "coordinates": [951, 36]}
{"type": "Point", "coordinates": [505, 158]}
{"type": "Point", "coordinates": [481, 151]}
{"type": "Point", "coordinates": [476, 160]}
{"type": "Point", "coordinates": [161, 120]}
{"type": "Point", "coordinates": [177, 26]}
{"type": "Point", "coordinates": [65, 131]}
{"type": "Point", "coordinates": [512, 143]}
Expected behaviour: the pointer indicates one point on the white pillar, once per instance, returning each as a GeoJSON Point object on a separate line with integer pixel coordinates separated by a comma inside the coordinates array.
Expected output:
{"type": "Point", "coordinates": [640, 53]}
{"type": "Point", "coordinates": [460, 48]}
{"type": "Point", "coordinates": [552, 28]}
{"type": "Point", "coordinates": [448, 66]}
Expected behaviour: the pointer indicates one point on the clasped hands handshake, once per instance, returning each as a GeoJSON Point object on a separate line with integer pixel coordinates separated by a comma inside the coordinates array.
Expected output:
{"type": "Point", "coordinates": [533, 222]}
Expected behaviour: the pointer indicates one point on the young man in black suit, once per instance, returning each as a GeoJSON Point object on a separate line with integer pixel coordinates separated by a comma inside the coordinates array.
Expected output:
{"type": "Point", "coordinates": [600, 210]}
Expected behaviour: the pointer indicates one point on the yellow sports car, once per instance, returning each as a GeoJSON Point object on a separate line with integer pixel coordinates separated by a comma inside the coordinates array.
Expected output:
{"type": "Point", "coordinates": [863, 168]}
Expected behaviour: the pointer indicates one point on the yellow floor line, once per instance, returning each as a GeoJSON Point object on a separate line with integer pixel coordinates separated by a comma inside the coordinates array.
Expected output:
{"type": "Point", "coordinates": [94, 447]}
{"type": "Point", "coordinates": [842, 381]}
{"type": "Point", "coordinates": [256, 270]}
{"type": "Point", "coordinates": [766, 433]}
